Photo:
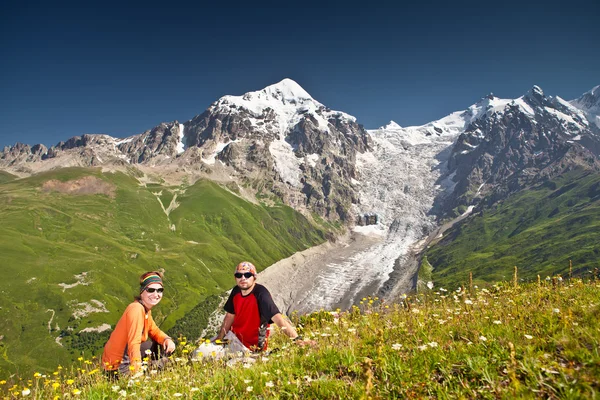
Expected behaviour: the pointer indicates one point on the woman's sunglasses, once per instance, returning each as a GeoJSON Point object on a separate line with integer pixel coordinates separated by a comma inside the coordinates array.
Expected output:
{"type": "Point", "coordinates": [152, 290]}
{"type": "Point", "coordinates": [246, 275]}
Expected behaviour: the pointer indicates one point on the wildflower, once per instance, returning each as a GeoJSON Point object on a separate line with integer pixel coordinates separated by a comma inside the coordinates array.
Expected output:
{"type": "Point", "coordinates": [123, 393]}
{"type": "Point", "coordinates": [70, 381]}
{"type": "Point", "coordinates": [115, 388]}
{"type": "Point", "coordinates": [194, 389]}
{"type": "Point", "coordinates": [423, 347]}
{"type": "Point", "coordinates": [247, 380]}
{"type": "Point", "coordinates": [528, 337]}
{"type": "Point", "coordinates": [433, 344]}
{"type": "Point", "coordinates": [177, 395]}
{"type": "Point", "coordinates": [430, 285]}
{"type": "Point", "coordinates": [148, 352]}
{"type": "Point", "coordinates": [351, 330]}
{"type": "Point", "coordinates": [182, 343]}
{"type": "Point", "coordinates": [26, 392]}
{"type": "Point", "coordinates": [80, 359]}
{"type": "Point", "coordinates": [467, 301]}
{"type": "Point", "coordinates": [249, 389]}
{"type": "Point", "coordinates": [2, 382]}
{"type": "Point", "coordinates": [396, 346]}
{"type": "Point", "coordinates": [415, 311]}
{"type": "Point", "coordinates": [37, 375]}
{"type": "Point", "coordinates": [55, 385]}
{"type": "Point", "coordinates": [498, 322]}
{"type": "Point", "coordinates": [483, 338]}
{"type": "Point", "coordinates": [556, 310]}
{"type": "Point", "coordinates": [76, 392]}
{"type": "Point", "coordinates": [269, 384]}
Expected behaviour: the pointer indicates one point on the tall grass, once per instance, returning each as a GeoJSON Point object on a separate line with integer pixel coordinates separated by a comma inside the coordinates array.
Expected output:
{"type": "Point", "coordinates": [534, 340]}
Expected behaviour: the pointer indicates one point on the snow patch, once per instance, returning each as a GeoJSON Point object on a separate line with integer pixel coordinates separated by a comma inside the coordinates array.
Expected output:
{"type": "Point", "coordinates": [180, 146]}
{"type": "Point", "coordinates": [286, 162]}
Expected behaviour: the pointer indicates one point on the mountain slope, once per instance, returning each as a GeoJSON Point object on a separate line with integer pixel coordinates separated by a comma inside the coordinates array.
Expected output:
{"type": "Point", "coordinates": [539, 230]}
{"type": "Point", "coordinates": [74, 242]}
{"type": "Point", "coordinates": [532, 139]}
{"type": "Point", "coordinates": [589, 103]}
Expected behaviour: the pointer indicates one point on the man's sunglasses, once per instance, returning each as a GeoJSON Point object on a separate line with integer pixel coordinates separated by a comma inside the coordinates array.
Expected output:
{"type": "Point", "coordinates": [152, 290]}
{"type": "Point", "coordinates": [246, 275]}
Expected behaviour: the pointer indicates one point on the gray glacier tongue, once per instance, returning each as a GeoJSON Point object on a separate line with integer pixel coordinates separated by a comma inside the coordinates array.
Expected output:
{"type": "Point", "coordinates": [399, 181]}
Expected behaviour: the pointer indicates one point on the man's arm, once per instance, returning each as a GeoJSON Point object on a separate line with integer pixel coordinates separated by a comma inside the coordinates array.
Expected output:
{"type": "Point", "coordinates": [285, 325]}
{"type": "Point", "coordinates": [226, 325]}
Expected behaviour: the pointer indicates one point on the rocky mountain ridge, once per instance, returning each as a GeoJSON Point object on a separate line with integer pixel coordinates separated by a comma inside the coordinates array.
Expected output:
{"type": "Point", "coordinates": [524, 142]}
{"type": "Point", "coordinates": [281, 141]}
{"type": "Point", "coordinates": [278, 140]}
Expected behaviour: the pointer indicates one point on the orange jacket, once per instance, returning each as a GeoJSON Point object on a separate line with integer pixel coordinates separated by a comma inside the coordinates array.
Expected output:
{"type": "Point", "coordinates": [134, 327]}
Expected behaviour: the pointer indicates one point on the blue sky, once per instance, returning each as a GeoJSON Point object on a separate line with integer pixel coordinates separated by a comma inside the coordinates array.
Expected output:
{"type": "Point", "coordinates": [74, 68]}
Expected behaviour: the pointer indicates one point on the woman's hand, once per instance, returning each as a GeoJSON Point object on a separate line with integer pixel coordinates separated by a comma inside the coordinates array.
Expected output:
{"type": "Point", "coordinates": [168, 346]}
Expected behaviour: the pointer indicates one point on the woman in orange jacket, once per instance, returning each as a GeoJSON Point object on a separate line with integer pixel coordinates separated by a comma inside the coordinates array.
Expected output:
{"type": "Point", "coordinates": [127, 345]}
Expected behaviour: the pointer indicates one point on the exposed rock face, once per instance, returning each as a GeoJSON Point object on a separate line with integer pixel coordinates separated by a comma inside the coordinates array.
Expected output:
{"type": "Point", "coordinates": [367, 219]}
{"type": "Point", "coordinates": [22, 153]}
{"type": "Point", "coordinates": [531, 139]}
{"type": "Point", "coordinates": [158, 143]}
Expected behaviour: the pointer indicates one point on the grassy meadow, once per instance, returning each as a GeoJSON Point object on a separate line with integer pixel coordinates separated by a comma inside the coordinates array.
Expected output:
{"type": "Point", "coordinates": [71, 254]}
{"type": "Point", "coordinates": [540, 231]}
{"type": "Point", "coordinates": [511, 340]}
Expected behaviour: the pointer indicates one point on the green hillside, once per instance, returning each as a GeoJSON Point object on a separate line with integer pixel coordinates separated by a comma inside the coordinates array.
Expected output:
{"type": "Point", "coordinates": [74, 242]}
{"type": "Point", "coordinates": [530, 341]}
{"type": "Point", "coordinates": [540, 231]}
{"type": "Point", "coordinates": [5, 177]}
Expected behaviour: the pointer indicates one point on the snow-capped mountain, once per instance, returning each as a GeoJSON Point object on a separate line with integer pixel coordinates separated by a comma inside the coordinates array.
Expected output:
{"type": "Point", "coordinates": [531, 139]}
{"type": "Point", "coordinates": [282, 134]}
{"type": "Point", "coordinates": [414, 175]}
{"type": "Point", "coordinates": [589, 103]}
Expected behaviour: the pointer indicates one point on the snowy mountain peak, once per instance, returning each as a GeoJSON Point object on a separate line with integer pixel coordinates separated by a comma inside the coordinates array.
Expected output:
{"type": "Point", "coordinates": [535, 95]}
{"type": "Point", "coordinates": [391, 126]}
{"type": "Point", "coordinates": [287, 89]}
